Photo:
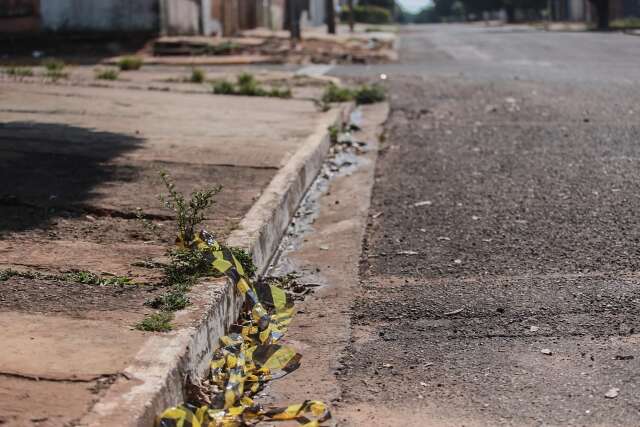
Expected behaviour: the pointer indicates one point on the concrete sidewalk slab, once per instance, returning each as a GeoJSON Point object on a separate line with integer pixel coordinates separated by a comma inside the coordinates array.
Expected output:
{"type": "Point", "coordinates": [75, 163]}
{"type": "Point", "coordinates": [153, 126]}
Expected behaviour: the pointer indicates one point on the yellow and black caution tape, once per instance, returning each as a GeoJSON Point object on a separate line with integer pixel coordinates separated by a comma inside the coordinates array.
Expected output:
{"type": "Point", "coordinates": [249, 356]}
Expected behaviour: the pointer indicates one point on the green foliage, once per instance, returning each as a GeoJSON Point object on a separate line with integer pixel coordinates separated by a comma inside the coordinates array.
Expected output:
{"type": "Point", "coordinates": [365, 94]}
{"type": "Point", "coordinates": [19, 72]}
{"type": "Point", "coordinates": [55, 69]}
{"type": "Point", "coordinates": [335, 93]}
{"type": "Point", "coordinates": [224, 48]}
{"type": "Point", "coordinates": [280, 93]}
{"type": "Point", "coordinates": [88, 278]}
{"type": "Point", "coordinates": [334, 132]}
{"type": "Point", "coordinates": [189, 213]}
{"type": "Point", "coordinates": [157, 322]}
{"type": "Point", "coordinates": [7, 274]}
{"type": "Point", "coordinates": [52, 64]}
{"type": "Point", "coordinates": [245, 259]}
{"type": "Point", "coordinates": [197, 76]}
{"type": "Point", "coordinates": [223, 87]}
{"type": "Point", "coordinates": [386, 4]}
{"type": "Point", "coordinates": [130, 63]}
{"type": "Point", "coordinates": [369, 94]}
{"type": "Point", "coordinates": [625, 23]}
{"type": "Point", "coordinates": [107, 74]}
{"type": "Point", "coordinates": [367, 14]}
{"type": "Point", "coordinates": [83, 277]}
{"type": "Point", "coordinates": [247, 85]}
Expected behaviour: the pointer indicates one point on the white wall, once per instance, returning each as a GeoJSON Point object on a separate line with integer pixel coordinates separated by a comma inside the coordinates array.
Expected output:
{"type": "Point", "coordinates": [181, 16]}
{"type": "Point", "coordinates": [99, 15]}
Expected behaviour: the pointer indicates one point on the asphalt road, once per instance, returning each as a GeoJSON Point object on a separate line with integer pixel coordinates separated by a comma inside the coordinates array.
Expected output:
{"type": "Point", "coordinates": [499, 280]}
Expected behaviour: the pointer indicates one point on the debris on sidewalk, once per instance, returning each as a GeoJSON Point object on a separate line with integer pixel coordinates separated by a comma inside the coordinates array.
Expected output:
{"type": "Point", "coordinates": [612, 393]}
{"type": "Point", "coordinates": [315, 48]}
{"type": "Point", "coordinates": [250, 355]}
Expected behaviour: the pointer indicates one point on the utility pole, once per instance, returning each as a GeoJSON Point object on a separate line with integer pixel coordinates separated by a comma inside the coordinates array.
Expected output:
{"type": "Point", "coordinates": [351, 17]}
{"type": "Point", "coordinates": [331, 16]}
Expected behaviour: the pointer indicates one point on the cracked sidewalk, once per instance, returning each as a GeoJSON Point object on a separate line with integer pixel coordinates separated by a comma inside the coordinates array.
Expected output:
{"type": "Point", "coordinates": [75, 164]}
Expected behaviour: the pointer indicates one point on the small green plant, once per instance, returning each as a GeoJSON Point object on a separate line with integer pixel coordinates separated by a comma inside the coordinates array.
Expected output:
{"type": "Point", "coordinates": [130, 63]}
{"type": "Point", "coordinates": [54, 69]}
{"type": "Point", "coordinates": [280, 93]}
{"type": "Point", "coordinates": [53, 65]}
{"type": "Point", "coordinates": [334, 131]}
{"type": "Point", "coordinates": [88, 278]}
{"type": "Point", "coordinates": [189, 213]}
{"type": "Point", "coordinates": [84, 277]}
{"type": "Point", "coordinates": [223, 87]}
{"type": "Point", "coordinates": [335, 93]}
{"type": "Point", "coordinates": [197, 76]}
{"type": "Point", "coordinates": [245, 259]}
{"type": "Point", "coordinates": [107, 74]}
{"type": "Point", "coordinates": [19, 72]}
{"type": "Point", "coordinates": [365, 94]}
{"type": "Point", "coordinates": [157, 322]}
{"type": "Point", "coordinates": [224, 48]}
{"type": "Point", "coordinates": [247, 85]}
{"type": "Point", "coordinates": [7, 274]}
{"type": "Point", "coordinates": [369, 94]}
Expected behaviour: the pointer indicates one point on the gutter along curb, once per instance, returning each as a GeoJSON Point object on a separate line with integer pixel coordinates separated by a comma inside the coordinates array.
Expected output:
{"type": "Point", "coordinates": [157, 377]}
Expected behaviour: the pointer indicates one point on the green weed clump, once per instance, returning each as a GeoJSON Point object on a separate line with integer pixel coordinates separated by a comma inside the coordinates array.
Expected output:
{"type": "Point", "coordinates": [335, 93]}
{"type": "Point", "coordinates": [247, 85]}
{"type": "Point", "coordinates": [197, 76]}
{"type": "Point", "coordinates": [223, 87]}
{"type": "Point", "coordinates": [107, 74]}
{"type": "Point", "coordinates": [186, 265]}
{"type": "Point", "coordinates": [224, 48]}
{"type": "Point", "coordinates": [369, 94]}
{"type": "Point", "coordinates": [53, 64]}
{"type": "Point", "coordinates": [19, 72]}
{"type": "Point", "coordinates": [130, 63]}
{"type": "Point", "coordinates": [88, 278]}
{"type": "Point", "coordinates": [189, 213]}
{"type": "Point", "coordinates": [157, 322]}
{"type": "Point", "coordinates": [247, 262]}
{"type": "Point", "coordinates": [54, 69]}
{"type": "Point", "coordinates": [365, 94]}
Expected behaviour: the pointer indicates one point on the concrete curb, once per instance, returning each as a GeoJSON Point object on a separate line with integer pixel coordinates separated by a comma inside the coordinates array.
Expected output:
{"type": "Point", "coordinates": [156, 379]}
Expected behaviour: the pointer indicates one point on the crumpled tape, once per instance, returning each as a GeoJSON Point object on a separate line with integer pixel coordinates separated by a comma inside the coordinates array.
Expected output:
{"type": "Point", "coordinates": [249, 357]}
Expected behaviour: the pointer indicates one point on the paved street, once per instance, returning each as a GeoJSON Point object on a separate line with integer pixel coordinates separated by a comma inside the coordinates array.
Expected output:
{"type": "Point", "coordinates": [499, 280]}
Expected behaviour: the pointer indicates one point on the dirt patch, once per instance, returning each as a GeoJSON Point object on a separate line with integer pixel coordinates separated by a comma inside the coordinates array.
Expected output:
{"type": "Point", "coordinates": [51, 296]}
{"type": "Point", "coordinates": [29, 403]}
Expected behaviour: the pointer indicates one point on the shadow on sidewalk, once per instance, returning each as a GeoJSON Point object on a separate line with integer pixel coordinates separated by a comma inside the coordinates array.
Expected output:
{"type": "Point", "coordinates": [50, 170]}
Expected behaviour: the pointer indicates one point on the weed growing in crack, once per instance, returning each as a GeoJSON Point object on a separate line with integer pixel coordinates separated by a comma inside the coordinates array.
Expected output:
{"type": "Point", "coordinates": [107, 74]}
{"type": "Point", "coordinates": [197, 76]}
{"type": "Point", "coordinates": [185, 265]}
{"type": "Point", "coordinates": [19, 72]}
{"type": "Point", "coordinates": [83, 277]}
{"type": "Point", "coordinates": [189, 213]}
{"type": "Point", "coordinates": [245, 259]}
{"type": "Point", "coordinates": [130, 63]}
{"type": "Point", "coordinates": [157, 322]}
{"type": "Point", "coordinates": [247, 85]}
{"type": "Point", "coordinates": [365, 94]}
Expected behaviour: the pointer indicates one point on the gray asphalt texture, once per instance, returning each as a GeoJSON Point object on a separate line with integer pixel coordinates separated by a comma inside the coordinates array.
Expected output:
{"type": "Point", "coordinates": [521, 149]}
